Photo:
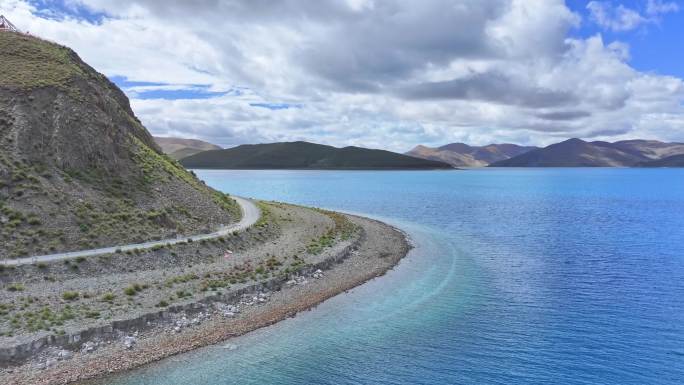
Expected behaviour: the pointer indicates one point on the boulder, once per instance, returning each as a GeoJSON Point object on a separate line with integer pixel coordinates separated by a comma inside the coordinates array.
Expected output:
{"type": "Point", "coordinates": [64, 354]}
{"type": "Point", "coordinates": [88, 347]}
{"type": "Point", "coordinates": [129, 342]}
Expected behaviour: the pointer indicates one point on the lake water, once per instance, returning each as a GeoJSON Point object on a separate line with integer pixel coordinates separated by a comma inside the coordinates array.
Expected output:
{"type": "Point", "coordinates": [519, 276]}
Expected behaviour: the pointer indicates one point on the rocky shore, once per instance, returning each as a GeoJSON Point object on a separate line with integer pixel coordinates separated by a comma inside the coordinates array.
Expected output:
{"type": "Point", "coordinates": [368, 251]}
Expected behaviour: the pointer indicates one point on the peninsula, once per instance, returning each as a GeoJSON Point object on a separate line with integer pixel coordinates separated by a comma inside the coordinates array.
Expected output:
{"type": "Point", "coordinates": [114, 255]}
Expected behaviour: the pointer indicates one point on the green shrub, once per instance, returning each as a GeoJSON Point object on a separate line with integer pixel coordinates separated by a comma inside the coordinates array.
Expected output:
{"type": "Point", "coordinates": [134, 289]}
{"type": "Point", "coordinates": [70, 295]}
{"type": "Point", "coordinates": [162, 303]}
{"type": "Point", "coordinates": [108, 297]}
{"type": "Point", "coordinates": [15, 287]}
{"type": "Point", "coordinates": [92, 314]}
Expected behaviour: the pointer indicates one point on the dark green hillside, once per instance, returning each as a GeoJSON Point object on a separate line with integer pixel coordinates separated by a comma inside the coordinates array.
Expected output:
{"type": "Point", "coordinates": [304, 155]}
{"type": "Point", "coordinates": [77, 168]}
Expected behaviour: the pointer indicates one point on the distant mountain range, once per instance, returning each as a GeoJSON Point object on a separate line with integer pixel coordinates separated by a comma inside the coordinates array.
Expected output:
{"type": "Point", "coordinates": [579, 153]}
{"type": "Point", "coordinates": [463, 155]}
{"type": "Point", "coordinates": [304, 155]}
{"type": "Point", "coordinates": [179, 148]}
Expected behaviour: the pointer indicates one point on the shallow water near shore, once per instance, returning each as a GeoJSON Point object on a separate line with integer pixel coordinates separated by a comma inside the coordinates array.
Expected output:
{"type": "Point", "coordinates": [525, 276]}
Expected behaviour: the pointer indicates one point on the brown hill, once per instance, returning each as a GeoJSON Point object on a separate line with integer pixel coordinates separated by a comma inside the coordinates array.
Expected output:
{"type": "Point", "coordinates": [579, 153]}
{"type": "Point", "coordinates": [669, 161]}
{"type": "Point", "coordinates": [463, 155]}
{"type": "Point", "coordinates": [179, 148]}
{"type": "Point", "coordinates": [77, 168]}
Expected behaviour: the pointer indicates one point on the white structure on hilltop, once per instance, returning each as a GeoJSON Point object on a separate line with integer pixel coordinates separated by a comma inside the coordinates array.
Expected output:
{"type": "Point", "coordinates": [6, 25]}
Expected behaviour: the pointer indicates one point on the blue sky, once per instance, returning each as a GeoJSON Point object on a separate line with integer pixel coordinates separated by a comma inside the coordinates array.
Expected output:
{"type": "Point", "coordinates": [657, 47]}
{"type": "Point", "coordinates": [387, 74]}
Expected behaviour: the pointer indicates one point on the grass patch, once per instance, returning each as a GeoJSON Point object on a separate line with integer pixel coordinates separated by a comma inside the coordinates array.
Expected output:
{"type": "Point", "coordinates": [16, 287]}
{"type": "Point", "coordinates": [70, 295]}
{"type": "Point", "coordinates": [108, 297]}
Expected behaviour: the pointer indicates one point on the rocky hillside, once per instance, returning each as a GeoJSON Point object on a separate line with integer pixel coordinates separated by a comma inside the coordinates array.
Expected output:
{"type": "Point", "coordinates": [669, 161]}
{"type": "Point", "coordinates": [179, 148]}
{"type": "Point", "coordinates": [304, 155]}
{"type": "Point", "coordinates": [77, 168]}
{"type": "Point", "coordinates": [463, 155]}
{"type": "Point", "coordinates": [579, 153]}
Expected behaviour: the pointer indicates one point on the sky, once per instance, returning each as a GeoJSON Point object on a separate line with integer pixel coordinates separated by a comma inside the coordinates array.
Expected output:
{"type": "Point", "coordinates": [386, 74]}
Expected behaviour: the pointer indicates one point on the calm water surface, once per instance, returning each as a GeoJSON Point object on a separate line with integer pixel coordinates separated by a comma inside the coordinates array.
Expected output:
{"type": "Point", "coordinates": [520, 276]}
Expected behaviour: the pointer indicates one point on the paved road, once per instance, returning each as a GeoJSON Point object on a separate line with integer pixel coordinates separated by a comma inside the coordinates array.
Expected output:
{"type": "Point", "coordinates": [250, 214]}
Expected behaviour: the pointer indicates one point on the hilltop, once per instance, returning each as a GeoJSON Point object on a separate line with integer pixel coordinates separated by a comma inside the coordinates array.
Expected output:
{"type": "Point", "coordinates": [178, 148]}
{"type": "Point", "coordinates": [304, 155]}
{"type": "Point", "coordinates": [463, 155]}
{"type": "Point", "coordinates": [579, 153]}
{"type": "Point", "coordinates": [77, 168]}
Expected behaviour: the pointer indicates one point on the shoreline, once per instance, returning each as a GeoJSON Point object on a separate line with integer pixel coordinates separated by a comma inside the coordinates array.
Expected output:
{"type": "Point", "coordinates": [378, 248]}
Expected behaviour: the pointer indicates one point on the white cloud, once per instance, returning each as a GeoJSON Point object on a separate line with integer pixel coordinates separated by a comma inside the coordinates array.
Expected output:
{"type": "Point", "coordinates": [617, 18]}
{"type": "Point", "coordinates": [385, 74]}
{"type": "Point", "coordinates": [658, 7]}
{"type": "Point", "coordinates": [620, 18]}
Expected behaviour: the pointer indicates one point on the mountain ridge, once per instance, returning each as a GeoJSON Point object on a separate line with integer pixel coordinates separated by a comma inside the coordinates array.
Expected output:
{"type": "Point", "coordinates": [178, 148]}
{"type": "Point", "coordinates": [464, 155]}
{"type": "Point", "coordinates": [576, 152]}
{"type": "Point", "coordinates": [305, 155]}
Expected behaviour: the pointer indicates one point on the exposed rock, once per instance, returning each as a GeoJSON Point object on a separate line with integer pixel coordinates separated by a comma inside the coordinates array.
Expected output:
{"type": "Point", "coordinates": [88, 347]}
{"type": "Point", "coordinates": [129, 342]}
{"type": "Point", "coordinates": [65, 354]}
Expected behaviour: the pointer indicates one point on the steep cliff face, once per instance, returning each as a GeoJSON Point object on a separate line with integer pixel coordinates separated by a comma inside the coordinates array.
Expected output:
{"type": "Point", "coordinates": [77, 168]}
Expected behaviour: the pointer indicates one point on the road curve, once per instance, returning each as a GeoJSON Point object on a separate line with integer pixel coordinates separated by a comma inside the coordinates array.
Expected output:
{"type": "Point", "coordinates": [250, 215]}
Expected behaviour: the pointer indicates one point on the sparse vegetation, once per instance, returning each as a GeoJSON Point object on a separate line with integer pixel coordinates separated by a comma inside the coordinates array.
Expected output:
{"type": "Point", "coordinates": [70, 295]}
{"type": "Point", "coordinates": [108, 297]}
{"type": "Point", "coordinates": [134, 289]}
{"type": "Point", "coordinates": [343, 229]}
{"type": "Point", "coordinates": [15, 287]}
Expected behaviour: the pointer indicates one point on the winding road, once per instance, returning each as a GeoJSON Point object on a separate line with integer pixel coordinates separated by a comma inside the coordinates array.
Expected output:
{"type": "Point", "coordinates": [250, 215]}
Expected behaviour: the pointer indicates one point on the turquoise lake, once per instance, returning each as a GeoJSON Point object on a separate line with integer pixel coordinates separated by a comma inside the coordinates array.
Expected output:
{"type": "Point", "coordinates": [519, 276]}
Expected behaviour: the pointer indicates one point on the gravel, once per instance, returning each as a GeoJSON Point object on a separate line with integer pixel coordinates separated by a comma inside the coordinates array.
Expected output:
{"type": "Point", "coordinates": [379, 248]}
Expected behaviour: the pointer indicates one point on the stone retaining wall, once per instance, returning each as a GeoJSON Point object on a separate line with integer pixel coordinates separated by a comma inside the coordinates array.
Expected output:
{"type": "Point", "coordinates": [19, 354]}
